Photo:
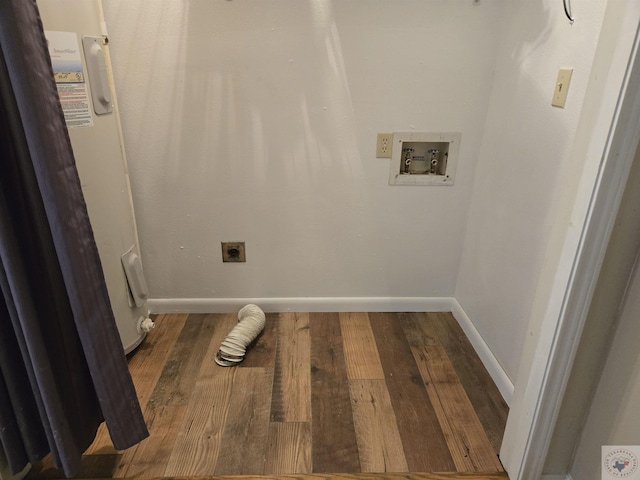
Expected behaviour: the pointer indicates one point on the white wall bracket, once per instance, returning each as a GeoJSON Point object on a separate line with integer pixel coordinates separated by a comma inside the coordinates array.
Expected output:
{"type": "Point", "coordinates": [98, 74]}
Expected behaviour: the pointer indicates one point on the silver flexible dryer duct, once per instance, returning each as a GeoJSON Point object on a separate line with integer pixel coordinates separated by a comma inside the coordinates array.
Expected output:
{"type": "Point", "coordinates": [233, 349]}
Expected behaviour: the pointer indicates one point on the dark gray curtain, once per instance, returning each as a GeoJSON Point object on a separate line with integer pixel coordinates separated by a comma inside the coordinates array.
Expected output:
{"type": "Point", "coordinates": [62, 366]}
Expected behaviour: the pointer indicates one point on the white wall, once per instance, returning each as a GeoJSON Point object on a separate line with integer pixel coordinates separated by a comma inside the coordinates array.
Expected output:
{"type": "Point", "coordinates": [613, 418]}
{"type": "Point", "coordinates": [584, 212]}
{"type": "Point", "coordinates": [600, 324]}
{"type": "Point", "coordinates": [524, 175]}
{"type": "Point", "coordinates": [256, 121]}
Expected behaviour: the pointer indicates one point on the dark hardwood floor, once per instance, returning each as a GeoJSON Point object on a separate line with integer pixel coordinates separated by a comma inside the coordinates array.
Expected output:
{"type": "Point", "coordinates": [357, 395]}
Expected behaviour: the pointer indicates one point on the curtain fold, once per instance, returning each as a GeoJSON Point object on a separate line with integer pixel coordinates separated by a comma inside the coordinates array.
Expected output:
{"type": "Point", "coordinates": [62, 367]}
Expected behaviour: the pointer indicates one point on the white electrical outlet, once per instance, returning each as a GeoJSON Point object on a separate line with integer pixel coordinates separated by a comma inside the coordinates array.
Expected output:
{"type": "Point", "coordinates": [383, 145]}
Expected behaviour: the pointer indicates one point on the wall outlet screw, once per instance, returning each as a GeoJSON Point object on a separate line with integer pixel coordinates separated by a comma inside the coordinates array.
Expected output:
{"type": "Point", "coordinates": [233, 252]}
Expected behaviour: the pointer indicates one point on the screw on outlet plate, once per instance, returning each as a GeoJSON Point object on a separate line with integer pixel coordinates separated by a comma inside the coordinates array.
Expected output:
{"type": "Point", "coordinates": [233, 252]}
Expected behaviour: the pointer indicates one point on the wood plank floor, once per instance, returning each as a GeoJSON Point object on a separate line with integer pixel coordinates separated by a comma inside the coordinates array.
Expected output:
{"type": "Point", "coordinates": [319, 395]}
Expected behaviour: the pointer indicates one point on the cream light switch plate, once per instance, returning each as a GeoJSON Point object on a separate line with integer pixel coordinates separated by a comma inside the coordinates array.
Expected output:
{"type": "Point", "coordinates": [562, 87]}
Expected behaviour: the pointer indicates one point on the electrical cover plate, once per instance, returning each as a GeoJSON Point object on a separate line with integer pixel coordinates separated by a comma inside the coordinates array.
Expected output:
{"type": "Point", "coordinates": [383, 145]}
{"type": "Point", "coordinates": [135, 277]}
{"type": "Point", "coordinates": [424, 158]}
{"type": "Point", "coordinates": [562, 87]}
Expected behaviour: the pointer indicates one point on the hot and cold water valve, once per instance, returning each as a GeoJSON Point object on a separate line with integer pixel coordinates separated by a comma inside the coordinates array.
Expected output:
{"type": "Point", "coordinates": [433, 163]}
{"type": "Point", "coordinates": [424, 158]}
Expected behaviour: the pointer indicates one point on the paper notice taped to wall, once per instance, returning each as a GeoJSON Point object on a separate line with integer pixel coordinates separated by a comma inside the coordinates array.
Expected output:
{"type": "Point", "coordinates": [70, 78]}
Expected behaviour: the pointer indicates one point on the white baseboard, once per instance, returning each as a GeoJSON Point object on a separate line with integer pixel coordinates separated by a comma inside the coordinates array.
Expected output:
{"type": "Point", "coordinates": [303, 304]}
{"type": "Point", "coordinates": [500, 378]}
